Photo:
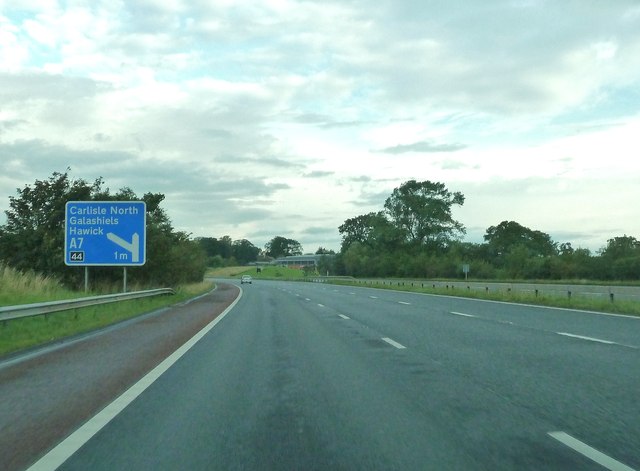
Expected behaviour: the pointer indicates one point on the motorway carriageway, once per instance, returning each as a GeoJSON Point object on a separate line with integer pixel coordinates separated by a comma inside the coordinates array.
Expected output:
{"type": "Point", "coordinates": [314, 376]}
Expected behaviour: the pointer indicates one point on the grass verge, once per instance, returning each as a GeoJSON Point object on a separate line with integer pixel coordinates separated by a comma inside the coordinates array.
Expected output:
{"type": "Point", "coordinates": [576, 302]}
{"type": "Point", "coordinates": [27, 332]}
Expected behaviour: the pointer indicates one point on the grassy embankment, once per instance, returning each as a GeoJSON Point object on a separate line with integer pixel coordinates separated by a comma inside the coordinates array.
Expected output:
{"type": "Point", "coordinates": [24, 288]}
{"type": "Point", "coordinates": [575, 302]}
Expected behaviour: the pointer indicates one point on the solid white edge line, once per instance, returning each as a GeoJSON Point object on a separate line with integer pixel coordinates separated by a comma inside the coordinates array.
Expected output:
{"type": "Point", "coordinates": [462, 314]}
{"type": "Point", "coordinates": [344, 317]}
{"type": "Point", "coordinates": [393, 342]}
{"type": "Point", "coordinates": [65, 449]}
{"type": "Point", "coordinates": [589, 452]}
{"type": "Point", "coordinates": [582, 337]}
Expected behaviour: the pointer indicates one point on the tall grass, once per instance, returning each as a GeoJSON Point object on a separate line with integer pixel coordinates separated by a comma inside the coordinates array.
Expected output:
{"type": "Point", "coordinates": [22, 288]}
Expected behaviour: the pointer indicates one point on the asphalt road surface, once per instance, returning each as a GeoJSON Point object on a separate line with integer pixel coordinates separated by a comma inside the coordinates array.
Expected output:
{"type": "Point", "coordinates": [303, 376]}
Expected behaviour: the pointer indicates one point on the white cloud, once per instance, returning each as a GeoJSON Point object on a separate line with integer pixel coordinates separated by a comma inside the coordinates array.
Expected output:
{"type": "Point", "coordinates": [13, 53]}
{"type": "Point", "coordinates": [535, 99]}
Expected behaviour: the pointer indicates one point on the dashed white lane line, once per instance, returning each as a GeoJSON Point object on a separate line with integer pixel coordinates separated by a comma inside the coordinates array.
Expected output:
{"type": "Point", "coordinates": [462, 314]}
{"type": "Point", "coordinates": [320, 305]}
{"type": "Point", "coordinates": [307, 299]}
{"type": "Point", "coordinates": [590, 339]}
{"type": "Point", "coordinates": [373, 297]}
{"type": "Point", "coordinates": [589, 452]}
{"type": "Point", "coordinates": [405, 303]}
{"type": "Point", "coordinates": [393, 342]}
{"type": "Point", "coordinates": [344, 317]}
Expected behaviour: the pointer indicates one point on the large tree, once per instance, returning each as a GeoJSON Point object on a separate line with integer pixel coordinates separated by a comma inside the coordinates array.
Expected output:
{"type": "Point", "coordinates": [371, 230]}
{"type": "Point", "coordinates": [422, 211]}
{"type": "Point", "coordinates": [621, 247]}
{"type": "Point", "coordinates": [282, 247]}
{"type": "Point", "coordinates": [244, 251]}
{"type": "Point", "coordinates": [33, 236]}
{"type": "Point", "coordinates": [621, 258]}
{"type": "Point", "coordinates": [510, 235]}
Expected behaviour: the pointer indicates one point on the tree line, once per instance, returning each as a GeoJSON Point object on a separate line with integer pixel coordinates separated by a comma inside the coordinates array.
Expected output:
{"type": "Point", "coordinates": [228, 252]}
{"type": "Point", "coordinates": [415, 235]}
{"type": "Point", "coordinates": [33, 237]}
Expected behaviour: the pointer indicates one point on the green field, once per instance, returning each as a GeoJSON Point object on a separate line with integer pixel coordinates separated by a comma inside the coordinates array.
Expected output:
{"type": "Point", "coordinates": [266, 273]}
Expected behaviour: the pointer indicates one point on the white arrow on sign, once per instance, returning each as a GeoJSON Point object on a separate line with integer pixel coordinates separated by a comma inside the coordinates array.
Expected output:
{"type": "Point", "coordinates": [133, 246]}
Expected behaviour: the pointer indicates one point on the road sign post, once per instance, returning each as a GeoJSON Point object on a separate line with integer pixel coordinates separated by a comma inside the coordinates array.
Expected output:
{"type": "Point", "coordinates": [105, 233]}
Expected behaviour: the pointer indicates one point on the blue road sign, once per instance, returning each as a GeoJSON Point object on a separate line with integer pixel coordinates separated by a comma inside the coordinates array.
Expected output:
{"type": "Point", "coordinates": [105, 233]}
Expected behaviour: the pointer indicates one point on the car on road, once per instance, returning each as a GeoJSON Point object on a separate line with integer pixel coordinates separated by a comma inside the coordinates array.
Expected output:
{"type": "Point", "coordinates": [246, 279]}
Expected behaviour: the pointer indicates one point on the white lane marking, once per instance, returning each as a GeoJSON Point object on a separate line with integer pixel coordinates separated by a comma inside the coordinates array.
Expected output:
{"type": "Point", "coordinates": [405, 303]}
{"type": "Point", "coordinates": [373, 297]}
{"type": "Point", "coordinates": [591, 339]}
{"type": "Point", "coordinates": [321, 305]}
{"type": "Point", "coordinates": [462, 314]}
{"type": "Point", "coordinates": [63, 451]}
{"type": "Point", "coordinates": [352, 293]}
{"type": "Point", "coordinates": [393, 342]}
{"type": "Point", "coordinates": [307, 299]}
{"type": "Point", "coordinates": [344, 317]}
{"type": "Point", "coordinates": [589, 452]}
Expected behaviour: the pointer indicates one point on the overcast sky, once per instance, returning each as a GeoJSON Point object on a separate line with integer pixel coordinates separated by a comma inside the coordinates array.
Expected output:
{"type": "Point", "coordinates": [266, 118]}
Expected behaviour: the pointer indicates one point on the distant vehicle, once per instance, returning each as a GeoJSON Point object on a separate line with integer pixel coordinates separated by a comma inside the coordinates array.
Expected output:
{"type": "Point", "coordinates": [246, 279]}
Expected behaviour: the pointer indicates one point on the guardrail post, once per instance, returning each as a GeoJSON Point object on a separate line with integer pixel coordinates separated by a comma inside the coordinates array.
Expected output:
{"type": "Point", "coordinates": [611, 297]}
{"type": "Point", "coordinates": [536, 292]}
{"type": "Point", "coordinates": [569, 294]}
